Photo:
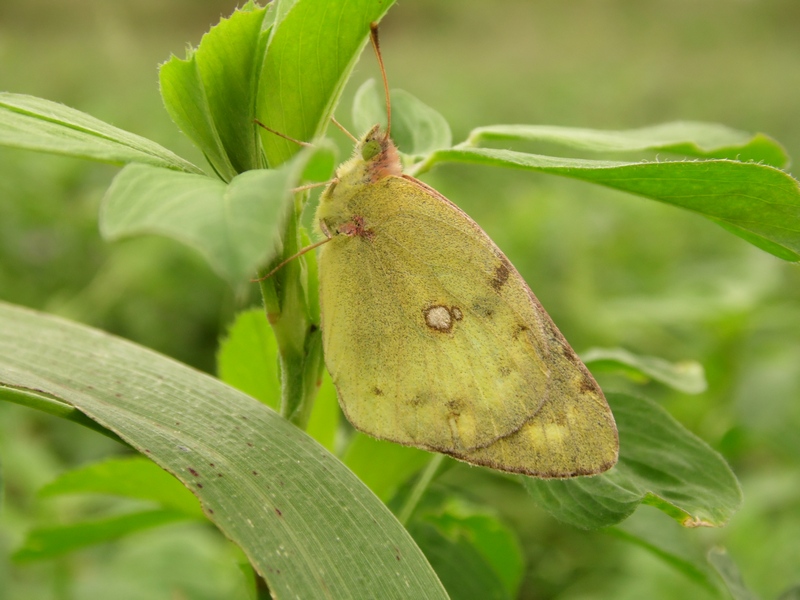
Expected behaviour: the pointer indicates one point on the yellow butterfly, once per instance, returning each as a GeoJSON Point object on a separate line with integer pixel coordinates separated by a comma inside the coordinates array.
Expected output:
{"type": "Point", "coordinates": [434, 340]}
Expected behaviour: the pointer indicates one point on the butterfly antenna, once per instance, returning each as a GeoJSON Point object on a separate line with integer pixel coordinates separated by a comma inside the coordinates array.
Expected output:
{"type": "Point", "coordinates": [373, 35]}
{"type": "Point", "coordinates": [291, 258]}
{"type": "Point", "coordinates": [343, 130]}
{"type": "Point", "coordinates": [283, 135]}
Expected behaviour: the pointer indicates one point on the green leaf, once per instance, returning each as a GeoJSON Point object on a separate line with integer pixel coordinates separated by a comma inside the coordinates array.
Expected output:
{"type": "Point", "coordinates": [211, 94]}
{"type": "Point", "coordinates": [699, 574]}
{"type": "Point", "coordinates": [689, 138]}
{"type": "Point", "coordinates": [493, 540]}
{"type": "Point", "coordinates": [417, 129]}
{"type": "Point", "coordinates": [730, 575]}
{"type": "Point", "coordinates": [309, 59]}
{"type": "Point", "coordinates": [47, 542]}
{"type": "Point", "coordinates": [307, 524]}
{"type": "Point", "coordinates": [248, 358]}
{"type": "Point", "coordinates": [686, 376]}
{"type": "Point", "coordinates": [462, 570]}
{"type": "Point", "coordinates": [131, 477]}
{"type": "Point", "coordinates": [36, 124]}
{"type": "Point", "coordinates": [383, 466]}
{"type": "Point", "coordinates": [325, 416]}
{"type": "Point", "coordinates": [660, 463]}
{"type": "Point", "coordinates": [235, 227]}
{"type": "Point", "coordinates": [759, 203]}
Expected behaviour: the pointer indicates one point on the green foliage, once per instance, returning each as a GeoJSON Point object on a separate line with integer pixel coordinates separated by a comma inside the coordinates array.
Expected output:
{"type": "Point", "coordinates": [660, 463]}
{"type": "Point", "coordinates": [323, 531]}
{"type": "Point", "coordinates": [308, 525]}
{"type": "Point", "coordinates": [685, 376]}
{"type": "Point", "coordinates": [38, 124]}
{"type": "Point", "coordinates": [235, 226]}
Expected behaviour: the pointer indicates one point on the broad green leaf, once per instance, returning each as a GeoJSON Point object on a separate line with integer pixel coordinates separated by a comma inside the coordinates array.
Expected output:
{"type": "Point", "coordinates": [383, 466]}
{"type": "Point", "coordinates": [463, 571]}
{"type": "Point", "coordinates": [494, 541]}
{"type": "Point", "coordinates": [730, 575]}
{"type": "Point", "coordinates": [660, 463]}
{"type": "Point", "coordinates": [47, 542]}
{"type": "Point", "coordinates": [309, 58]}
{"type": "Point", "coordinates": [35, 124]}
{"type": "Point", "coordinates": [131, 477]}
{"type": "Point", "coordinates": [307, 524]}
{"type": "Point", "coordinates": [698, 573]}
{"type": "Point", "coordinates": [417, 129]}
{"type": "Point", "coordinates": [757, 202]}
{"type": "Point", "coordinates": [325, 416]}
{"type": "Point", "coordinates": [211, 94]}
{"type": "Point", "coordinates": [686, 376]}
{"type": "Point", "coordinates": [248, 360]}
{"type": "Point", "coordinates": [235, 226]}
{"type": "Point", "coordinates": [689, 138]}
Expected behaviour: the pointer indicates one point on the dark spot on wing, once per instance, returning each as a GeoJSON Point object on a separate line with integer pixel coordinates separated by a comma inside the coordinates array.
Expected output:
{"type": "Point", "coordinates": [505, 371]}
{"type": "Point", "coordinates": [483, 307]}
{"type": "Point", "coordinates": [455, 406]}
{"type": "Point", "coordinates": [520, 329]}
{"type": "Point", "coordinates": [587, 385]}
{"type": "Point", "coordinates": [377, 391]}
{"type": "Point", "coordinates": [500, 277]}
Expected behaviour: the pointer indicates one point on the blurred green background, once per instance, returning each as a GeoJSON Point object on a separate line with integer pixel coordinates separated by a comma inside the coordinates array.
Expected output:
{"type": "Point", "coordinates": [611, 269]}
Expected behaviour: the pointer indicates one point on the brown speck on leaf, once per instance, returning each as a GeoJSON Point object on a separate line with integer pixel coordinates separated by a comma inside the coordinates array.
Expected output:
{"type": "Point", "coordinates": [211, 465]}
{"type": "Point", "coordinates": [118, 395]}
{"type": "Point", "coordinates": [249, 444]}
{"type": "Point", "coordinates": [199, 485]}
{"type": "Point", "coordinates": [193, 472]}
{"type": "Point", "coordinates": [255, 472]}
{"type": "Point", "coordinates": [211, 511]}
{"type": "Point", "coordinates": [219, 475]}
{"type": "Point", "coordinates": [278, 512]}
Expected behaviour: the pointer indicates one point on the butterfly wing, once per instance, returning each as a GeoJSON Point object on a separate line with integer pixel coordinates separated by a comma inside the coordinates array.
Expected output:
{"type": "Point", "coordinates": [434, 340]}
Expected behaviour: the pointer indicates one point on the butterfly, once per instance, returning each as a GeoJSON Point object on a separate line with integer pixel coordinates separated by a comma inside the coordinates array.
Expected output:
{"type": "Point", "coordinates": [432, 337]}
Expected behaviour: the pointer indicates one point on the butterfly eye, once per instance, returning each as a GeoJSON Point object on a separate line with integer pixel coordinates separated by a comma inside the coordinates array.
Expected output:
{"type": "Point", "coordinates": [370, 149]}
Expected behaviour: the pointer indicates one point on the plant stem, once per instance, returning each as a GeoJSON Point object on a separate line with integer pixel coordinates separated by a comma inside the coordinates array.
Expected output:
{"type": "Point", "coordinates": [296, 332]}
{"type": "Point", "coordinates": [419, 489]}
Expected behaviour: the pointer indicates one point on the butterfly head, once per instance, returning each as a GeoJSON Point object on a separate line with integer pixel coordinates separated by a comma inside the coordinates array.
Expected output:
{"type": "Point", "coordinates": [378, 155]}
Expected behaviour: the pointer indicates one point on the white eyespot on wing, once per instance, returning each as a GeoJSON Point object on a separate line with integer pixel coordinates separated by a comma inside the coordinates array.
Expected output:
{"type": "Point", "coordinates": [438, 318]}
